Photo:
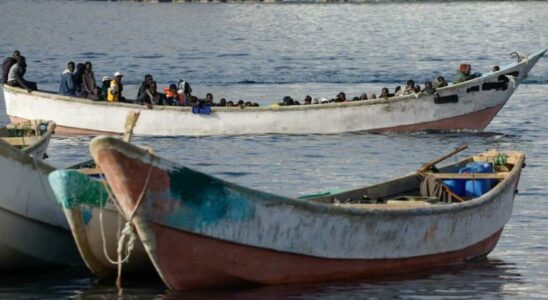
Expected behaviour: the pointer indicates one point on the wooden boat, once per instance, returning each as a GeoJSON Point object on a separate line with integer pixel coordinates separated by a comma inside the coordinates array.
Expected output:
{"type": "Point", "coordinates": [31, 137]}
{"type": "Point", "coordinates": [95, 222]}
{"type": "Point", "coordinates": [470, 105]}
{"type": "Point", "coordinates": [33, 230]}
{"type": "Point", "coordinates": [201, 231]}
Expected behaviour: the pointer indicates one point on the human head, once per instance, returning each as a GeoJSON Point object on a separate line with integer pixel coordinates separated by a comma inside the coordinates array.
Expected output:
{"type": "Point", "coordinates": [118, 76]}
{"type": "Point", "coordinates": [209, 97]}
{"type": "Point", "coordinates": [288, 100]}
{"type": "Point", "coordinates": [230, 103]}
{"type": "Point", "coordinates": [80, 67]}
{"type": "Point", "coordinates": [21, 61]}
{"type": "Point", "coordinates": [465, 68]}
{"type": "Point", "coordinates": [384, 92]}
{"type": "Point", "coordinates": [410, 83]}
{"type": "Point", "coordinates": [173, 88]}
{"type": "Point", "coordinates": [495, 68]}
{"type": "Point", "coordinates": [71, 66]}
{"type": "Point", "coordinates": [428, 84]}
{"type": "Point", "coordinates": [417, 88]}
{"type": "Point", "coordinates": [222, 102]}
{"type": "Point", "coordinates": [341, 96]}
{"type": "Point", "coordinates": [88, 65]}
{"type": "Point", "coordinates": [16, 54]}
{"type": "Point", "coordinates": [148, 78]}
{"type": "Point", "coordinates": [307, 99]}
{"type": "Point", "coordinates": [441, 79]}
{"type": "Point", "coordinates": [363, 96]}
{"type": "Point", "coordinates": [106, 79]}
{"type": "Point", "coordinates": [240, 102]}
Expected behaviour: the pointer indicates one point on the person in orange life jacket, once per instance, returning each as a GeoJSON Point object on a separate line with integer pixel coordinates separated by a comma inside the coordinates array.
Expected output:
{"type": "Point", "coordinates": [172, 97]}
{"type": "Point", "coordinates": [115, 89]}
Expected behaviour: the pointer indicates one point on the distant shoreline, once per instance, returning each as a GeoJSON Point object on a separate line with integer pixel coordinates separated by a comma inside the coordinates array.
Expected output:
{"type": "Point", "coordinates": [310, 1]}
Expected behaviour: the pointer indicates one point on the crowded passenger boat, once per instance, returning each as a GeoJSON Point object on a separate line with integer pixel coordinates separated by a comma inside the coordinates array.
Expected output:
{"type": "Point", "coordinates": [78, 80]}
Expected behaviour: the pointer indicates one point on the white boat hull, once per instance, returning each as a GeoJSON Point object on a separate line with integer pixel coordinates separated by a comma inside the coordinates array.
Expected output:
{"type": "Point", "coordinates": [473, 111]}
{"type": "Point", "coordinates": [34, 231]}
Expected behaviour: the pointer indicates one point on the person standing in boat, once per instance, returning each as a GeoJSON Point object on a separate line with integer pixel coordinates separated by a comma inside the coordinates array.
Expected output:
{"type": "Point", "coordinates": [16, 73]}
{"type": "Point", "coordinates": [89, 85]}
{"type": "Point", "coordinates": [66, 87]}
{"type": "Point", "coordinates": [7, 64]}
{"type": "Point", "coordinates": [115, 90]}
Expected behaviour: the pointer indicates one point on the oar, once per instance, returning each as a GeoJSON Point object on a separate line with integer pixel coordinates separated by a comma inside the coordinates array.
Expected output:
{"type": "Point", "coordinates": [131, 120]}
{"type": "Point", "coordinates": [428, 165]}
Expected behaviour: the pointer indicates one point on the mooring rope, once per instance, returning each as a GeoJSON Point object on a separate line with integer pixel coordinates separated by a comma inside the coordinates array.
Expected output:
{"type": "Point", "coordinates": [128, 231]}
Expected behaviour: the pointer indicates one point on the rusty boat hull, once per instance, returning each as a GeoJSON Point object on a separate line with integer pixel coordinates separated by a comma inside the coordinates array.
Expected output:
{"type": "Point", "coordinates": [201, 231]}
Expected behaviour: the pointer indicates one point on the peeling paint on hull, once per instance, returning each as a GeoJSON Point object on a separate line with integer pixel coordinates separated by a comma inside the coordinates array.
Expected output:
{"type": "Point", "coordinates": [272, 227]}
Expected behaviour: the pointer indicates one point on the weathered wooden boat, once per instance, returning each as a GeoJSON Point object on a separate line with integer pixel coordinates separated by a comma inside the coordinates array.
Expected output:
{"type": "Point", "coordinates": [201, 231]}
{"type": "Point", "coordinates": [31, 137]}
{"type": "Point", "coordinates": [33, 230]}
{"type": "Point", "coordinates": [470, 105]}
{"type": "Point", "coordinates": [95, 222]}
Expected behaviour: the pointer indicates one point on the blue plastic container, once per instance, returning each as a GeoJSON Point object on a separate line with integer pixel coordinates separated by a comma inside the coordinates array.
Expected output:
{"type": "Point", "coordinates": [456, 186]}
{"type": "Point", "coordinates": [477, 187]}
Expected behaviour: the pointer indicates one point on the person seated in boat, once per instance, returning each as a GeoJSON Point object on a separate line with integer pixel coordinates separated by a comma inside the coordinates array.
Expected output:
{"type": "Point", "coordinates": [287, 101]}
{"type": "Point", "coordinates": [209, 100]}
{"type": "Point", "coordinates": [66, 87]}
{"type": "Point", "coordinates": [428, 88]}
{"type": "Point", "coordinates": [464, 74]}
{"type": "Point", "coordinates": [222, 102]}
{"type": "Point", "coordinates": [307, 100]}
{"type": "Point", "coordinates": [114, 93]}
{"type": "Point", "coordinates": [172, 97]}
{"type": "Point", "coordinates": [184, 86]}
{"type": "Point", "coordinates": [397, 91]}
{"type": "Point", "coordinates": [144, 85]}
{"type": "Point", "coordinates": [16, 73]}
{"type": "Point", "coordinates": [384, 93]}
{"type": "Point", "coordinates": [409, 88]}
{"type": "Point", "coordinates": [90, 85]}
{"type": "Point", "coordinates": [441, 82]}
{"type": "Point", "coordinates": [151, 96]}
{"type": "Point", "coordinates": [79, 80]}
{"type": "Point", "coordinates": [105, 84]}
{"type": "Point", "coordinates": [8, 63]}
{"type": "Point", "coordinates": [341, 97]}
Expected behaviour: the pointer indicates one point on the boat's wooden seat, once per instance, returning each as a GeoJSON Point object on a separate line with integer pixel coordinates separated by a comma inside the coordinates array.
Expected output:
{"type": "Point", "coordinates": [498, 175]}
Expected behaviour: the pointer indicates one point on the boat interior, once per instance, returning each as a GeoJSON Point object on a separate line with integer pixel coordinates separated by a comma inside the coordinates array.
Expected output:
{"type": "Point", "coordinates": [23, 134]}
{"type": "Point", "coordinates": [432, 186]}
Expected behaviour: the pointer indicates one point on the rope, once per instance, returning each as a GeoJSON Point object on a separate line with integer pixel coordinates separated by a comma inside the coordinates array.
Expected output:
{"type": "Point", "coordinates": [127, 233]}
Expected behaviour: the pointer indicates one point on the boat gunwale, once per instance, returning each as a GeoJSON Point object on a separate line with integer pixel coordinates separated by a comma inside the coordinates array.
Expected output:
{"type": "Point", "coordinates": [134, 152]}
{"type": "Point", "coordinates": [268, 107]}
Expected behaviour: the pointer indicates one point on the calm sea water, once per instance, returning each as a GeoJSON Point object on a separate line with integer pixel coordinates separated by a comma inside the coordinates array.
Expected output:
{"type": "Point", "coordinates": [262, 52]}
